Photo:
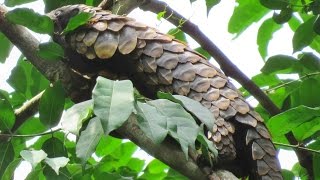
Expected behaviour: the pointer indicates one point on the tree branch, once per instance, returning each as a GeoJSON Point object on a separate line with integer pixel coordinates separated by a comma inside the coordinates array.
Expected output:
{"type": "Point", "coordinates": [230, 69]}
{"type": "Point", "coordinates": [28, 45]}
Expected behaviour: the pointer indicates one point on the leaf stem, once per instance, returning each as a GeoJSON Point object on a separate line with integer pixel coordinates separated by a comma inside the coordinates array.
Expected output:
{"type": "Point", "coordinates": [30, 135]}
{"type": "Point", "coordinates": [297, 147]}
{"type": "Point", "coordinates": [287, 83]}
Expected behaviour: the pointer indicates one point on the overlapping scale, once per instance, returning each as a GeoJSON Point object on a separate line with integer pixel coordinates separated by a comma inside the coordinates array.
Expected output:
{"type": "Point", "coordinates": [168, 65]}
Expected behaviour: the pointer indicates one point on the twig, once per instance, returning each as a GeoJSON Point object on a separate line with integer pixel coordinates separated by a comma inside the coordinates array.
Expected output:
{"type": "Point", "coordinates": [29, 135]}
{"type": "Point", "coordinates": [228, 67]}
{"type": "Point", "coordinates": [297, 147]}
{"type": "Point", "coordinates": [287, 83]}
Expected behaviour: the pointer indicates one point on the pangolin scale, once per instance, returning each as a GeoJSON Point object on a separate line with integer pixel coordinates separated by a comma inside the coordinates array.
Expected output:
{"type": "Point", "coordinates": [118, 47]}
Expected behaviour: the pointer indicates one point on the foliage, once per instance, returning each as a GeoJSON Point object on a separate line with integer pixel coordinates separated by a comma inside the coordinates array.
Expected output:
{"type": "Point", "coordinates": [96, 154]}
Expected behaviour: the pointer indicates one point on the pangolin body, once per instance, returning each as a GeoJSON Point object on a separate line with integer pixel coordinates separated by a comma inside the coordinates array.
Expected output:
{"type": "Point", "coordinates": [118, 47]}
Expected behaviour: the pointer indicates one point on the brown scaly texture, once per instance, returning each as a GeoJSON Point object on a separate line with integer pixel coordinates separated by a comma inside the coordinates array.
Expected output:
{"type": "Point", "coordinates": [118, 47]}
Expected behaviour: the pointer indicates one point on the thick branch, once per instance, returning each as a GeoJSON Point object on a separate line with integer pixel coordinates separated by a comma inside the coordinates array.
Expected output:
{"type": "Point", "coordinates": [28, 45]}
{"type": "Point", "coordinates": [230, 69]}
{"type": "Point", "coordinates": [26, 111]}
{"type": "Point", "coordinates": [169, 153]}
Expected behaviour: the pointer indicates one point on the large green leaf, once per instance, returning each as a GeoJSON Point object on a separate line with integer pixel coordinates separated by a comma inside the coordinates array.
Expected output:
{"type": "Point", "coordinates": [316, 165]}
{"type": "Point", "coordinates": [180, 124]}
{"type": "Point", "coordinates": [151, 122]}
{"type": "Point", "coordinates": [123, 154]}
{"type": "Point", "coordinates": [6, 155]}
{"type": "Point", "coordinates": [266, 30]}
{"type": "Point", "coordinates": [310, 61]}
{"type": "Point", "coordinates": [57, 163]}
{"type": "Point", "coordinates": [51, 105]}
{"type": "Point", "coordinates": [5, 46]}
{"type": "Point", "coordinates": [288, 120]}
{"type": "Point", "coordinates": [210, 4]}
{"type": "Point", "coordinates": [9, 172]}
{"type": "Point", "coordinates": [76, 21]}
{"type": "Point", "coordinates": [246, 13]}
{"type": "Point", "coordinates": [73, 118]}
{"type": "Point", "coordinates": [19, 78]}
{"type": "Point", "coordinates": [279, 64]}
{"type": "Point", "coordinates": [307, 129]}
{"type": "Point", "coordinates": [178, 34]}
{"type": "Point", "coordinates": [33, 157]}
{"type": "Point", "coordinates": [11, 3]}
{"type": "Point", "coordinates": [107, 145]}
{"type": "Point", "coordinates": [284, 16]}
{"type": "Point", "coordinates": [32, 20]}
{"type": "Point", "coordinates": [304, 35]}
{"type": "Point", "coordinates": [32, 126]}
{"type": "Point", "coordinates": [7, 116]}
{"type": "Point", "coordinates": [275, 4]}
{"type": "Point", "coordinates": [113, 102]}
{"type": "Point", "coordinates": [51, 51]}
{"type": "Point", "coordinates": [307, 94]}
{"type": "Point", "coordinates": [198, 110]}
{"type": "Point", "coordinates": [89, 139]}
{"type": "Point", "coordinates": [54, 147]}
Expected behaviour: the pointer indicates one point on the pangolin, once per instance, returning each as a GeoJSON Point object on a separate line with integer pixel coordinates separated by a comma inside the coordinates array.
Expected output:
{"type": "Point", "coordinates": [118, 47]}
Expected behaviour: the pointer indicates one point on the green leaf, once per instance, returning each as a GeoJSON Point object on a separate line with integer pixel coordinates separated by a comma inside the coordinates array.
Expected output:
{"type": "Point", "coordinates": [310, 61]}
{"type": "Point", "coordinates": [32, 126]}
{"type": "Point", "coordinates": [33, 157]}
{"type": "Point", "coordinates": [57, 163]}
{"type": "Point", "coordinates": [11, 3]}
{"type": "Point", "coordinates": [89, 2]}
{"type": "Point", "coordinates": [307, 129]}
{"type": "Point", "coordinates": [203, 52]}
{"type": "Point", "coordinates": [279, 64]}
{"type": "Point", "coordinates": [316, 165]}
{"type": "Point", "coordinates": [287, 174]}
{"type": "Point", "coordinates": [284, 16]}
{"type": "Point", "coordinates": [210, 4]}
{"type": "Point", "coordinates": [286, 121]}
{"type": "Point", "coordinates": [7, 116]}
{"type": "Point", "coordinates": [76, 21]}
{"type": "Point", "coordinates": [54, 148]}
{"type": "Point", "coordinates": [51, 51]}
{"type": "Point", "coordinates": [35, 173]}
{"type": "Point", "coordinates": [19, 78]}
{"type": "Point", "coordinates": [88, 140]}
{"type": "Point", "coordinates": [311, 98]}
{"type": "Point", "coordinates": [107, 145]}
{"type": "Point", "coordinates": [151, 122]}
{"type": "Point", "coordinates": [316, 25]}
{"type": "Point", "coordinates": [5, 46]}
{"type": "Point", "coordinates": [73, 118]}
{"type": "Point", "coordinates": [275, 4]}
{"type": "Point", "coordinates": [265, 32]}
{"type": "Point", "coordinates": [51, 105]}
{"type": "Point", "coordinates": [246, 13]}
{"type": "Point", "coordinates": [124, 153]}
{"type": "Point", "coordinates": [180, 124]}
{"type": "Point", "coordinates": [266, 79]}
{"type": "Point", "coordinates": [9, 172]}
{"type": "Point", "coordinates": [208, 144]}
{"type": "Point", "coordinates": [30, 19]}
{"type": "Point", "coordinates": [113, 102]}
{"type": "Point", "coordinates": [6, 155]}
{"type": "Point", "coordinates": [178, 34]}
{"type": "Point", "coordinates": [304, 35]}
{"type": "Point", "coordinates": [161, 15]}
{"type": "Point", "coordinates": [136, 164]}
{"type": "Point", "coordinates": [156, 166]}
{"type": "Point", "coordinates": [198, 110]}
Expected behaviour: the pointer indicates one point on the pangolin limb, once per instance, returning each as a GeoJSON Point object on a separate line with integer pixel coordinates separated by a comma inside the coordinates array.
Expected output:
{"type": "Point", "coordinates": [121, 48]}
